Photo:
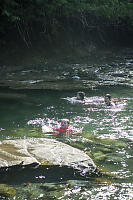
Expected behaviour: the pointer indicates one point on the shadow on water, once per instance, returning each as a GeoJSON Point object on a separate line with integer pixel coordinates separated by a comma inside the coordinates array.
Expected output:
{"type": "Point", "coordinates": [33, 173]}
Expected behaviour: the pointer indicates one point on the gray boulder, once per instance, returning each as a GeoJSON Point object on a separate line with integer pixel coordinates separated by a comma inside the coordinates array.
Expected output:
{"type": "Point", "coordinates": [43, 152]}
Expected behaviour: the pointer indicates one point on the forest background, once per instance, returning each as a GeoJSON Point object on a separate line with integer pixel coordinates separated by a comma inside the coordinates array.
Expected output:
{"type": "Point", "coordinates": [55, 27]}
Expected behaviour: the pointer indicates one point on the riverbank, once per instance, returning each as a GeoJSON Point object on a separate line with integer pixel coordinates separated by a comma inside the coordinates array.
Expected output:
{"type": "Point", "coordinates": [66, 45]}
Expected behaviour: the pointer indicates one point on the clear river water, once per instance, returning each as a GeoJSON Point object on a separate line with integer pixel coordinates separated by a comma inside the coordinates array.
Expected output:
{"type": "Point", "coordinates": [43, 94]}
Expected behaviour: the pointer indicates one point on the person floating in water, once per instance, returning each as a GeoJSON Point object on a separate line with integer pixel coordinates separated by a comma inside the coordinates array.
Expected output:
{"type": "Point", "coordinates": [64, 127]}
{"type": "Point", "coordinates": [108, 100]}
{"type": "Point", "coordinates": [80, 96]}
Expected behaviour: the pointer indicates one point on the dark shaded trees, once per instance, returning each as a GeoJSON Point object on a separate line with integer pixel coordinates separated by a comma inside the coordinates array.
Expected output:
{"type": "Point", "coordinates": [25, 17]}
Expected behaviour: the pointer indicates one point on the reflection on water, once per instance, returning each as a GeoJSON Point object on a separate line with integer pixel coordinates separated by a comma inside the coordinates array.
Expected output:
{"type": "Point", "coordinates": [107, 132]}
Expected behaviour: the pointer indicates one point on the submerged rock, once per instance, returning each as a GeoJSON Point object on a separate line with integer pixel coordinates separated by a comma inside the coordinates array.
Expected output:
{"type": "Point", "coordinates": [43, 152]}
{"type": "Point", "coordinates": [5, 190]}
{"type": "Point", "coordinates": [99, 156]}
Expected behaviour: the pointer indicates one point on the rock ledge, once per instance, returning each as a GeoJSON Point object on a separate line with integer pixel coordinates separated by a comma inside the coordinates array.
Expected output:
{"type": "Point", "coordinates": [43, 152]}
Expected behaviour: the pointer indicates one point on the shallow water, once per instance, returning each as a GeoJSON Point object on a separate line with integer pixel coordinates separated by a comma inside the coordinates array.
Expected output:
{"type": "Point", "coordinates": [107, 133]}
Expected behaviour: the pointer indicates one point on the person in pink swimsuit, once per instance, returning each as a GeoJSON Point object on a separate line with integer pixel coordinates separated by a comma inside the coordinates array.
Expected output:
{"type": "Point", "coordinates": [64, 126]}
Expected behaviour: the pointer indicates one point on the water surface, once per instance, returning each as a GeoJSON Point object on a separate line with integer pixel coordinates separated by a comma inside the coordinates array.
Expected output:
{"type": "Point", "coordinates": [42, 95]}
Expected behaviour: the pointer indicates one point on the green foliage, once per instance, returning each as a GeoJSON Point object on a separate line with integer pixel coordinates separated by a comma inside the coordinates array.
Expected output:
{"type": "Point", "coordinates": [51, 12]}
{"type": "Point", "coordinates": [112, 8]}
{"type": "Point", "coordinates": [14, 10]}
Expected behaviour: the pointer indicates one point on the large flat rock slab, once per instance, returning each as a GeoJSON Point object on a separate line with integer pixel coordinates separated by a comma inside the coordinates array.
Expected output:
{"type": "Point", "coordinates": [43, 152]}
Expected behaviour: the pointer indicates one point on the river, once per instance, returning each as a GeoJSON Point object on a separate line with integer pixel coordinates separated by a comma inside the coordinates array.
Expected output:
{"type": "Point", "coordinates": [43, 94]}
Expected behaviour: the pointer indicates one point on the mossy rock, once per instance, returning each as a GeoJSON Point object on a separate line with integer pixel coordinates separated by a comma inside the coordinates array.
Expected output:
{"type": "Point", "coordinates": [106, 172]}
{"type": "Point", "coordinates": [5, 190]}
{"type": "Point", "coordinates": [89, 154]}
{"type": "Point", "coordinates": [37, 191]}
{"type": "Point", "coordinates": [120, 144]}
{"type": "Point", "coordinates": [79, 183]}
{"type": "Point", "coordinates": [92, 139]}
{"type": "Point", "coordinates": [89, 136]}
{"type": "Point", "coordinates": [108, 141]}
{"type": "Point", "coordinates": [53, 191]}
{"type": "Point", "coordinates": [104, 149]}
{"type": "Point", "coordinates": [99, 156]}
{"type": "Point", "coordinates": [78, 145]}
{"type": "Point", "coordinates": [102, 180]}
{"type": "Point", "coordinates": [49, 187]}
{"type": "Point", "coordinates": [113, 143]}
{"type": "Point", "coordinates": [114, 159]}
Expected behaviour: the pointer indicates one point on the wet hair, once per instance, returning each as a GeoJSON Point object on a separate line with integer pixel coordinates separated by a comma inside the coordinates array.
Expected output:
{"type": "Point", "coordinates": [81, 94]}
{"type": "Point", "coordinates": [108, 96]}
{"type": "Point", "coordinates": [67, 120]}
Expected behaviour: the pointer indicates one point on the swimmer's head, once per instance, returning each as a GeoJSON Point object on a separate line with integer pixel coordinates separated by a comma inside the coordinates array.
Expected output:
{"type": "Point", "coordinates": [80, 95]}
{"type": "Point", "coordinates": [107, 98]}
{"type": "Point", "coordinates": [64, 123]}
